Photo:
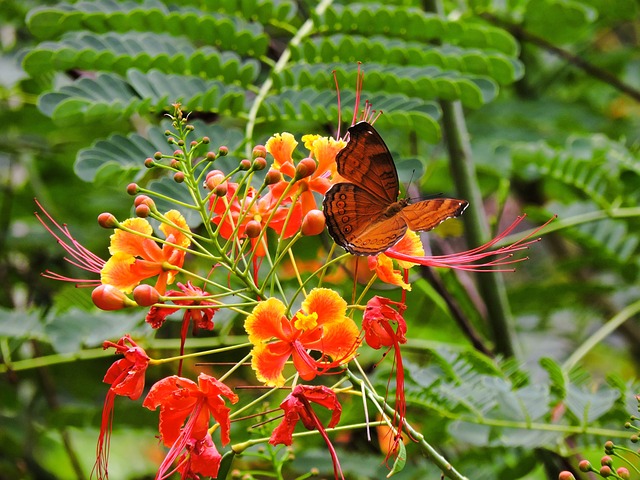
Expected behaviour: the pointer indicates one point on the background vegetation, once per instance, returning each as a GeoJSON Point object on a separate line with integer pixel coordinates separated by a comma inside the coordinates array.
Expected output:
{"type": "Point", "coordinates": [536, 98]}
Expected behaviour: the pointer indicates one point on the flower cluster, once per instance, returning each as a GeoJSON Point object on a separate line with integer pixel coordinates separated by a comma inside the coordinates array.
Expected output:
{"type": "Point", "coordinates": [301, 337]}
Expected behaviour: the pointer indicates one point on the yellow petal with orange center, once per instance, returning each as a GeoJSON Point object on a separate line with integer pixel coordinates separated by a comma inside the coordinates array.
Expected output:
{"type": "Point", "coordinates": [180, 238]}
{"type": "Point", "coordinates": [341, 339]}
{"type": "Point", "coordinates": [329, 306]}
{"type": "Point", "coordinates": [410, 244]}
{"type": "Point", "coordinates": [127, 242]}
{"type": "Point", "coordinates": [269, 365]}
{"type": "Point", "coordinates": [265, 321]}
{"type": "Point", "coordinates": [386, 273]}
{"type": "Point", "coordinates": [324, 149]}
{"type": "Point", "coordinates": [117, 272]}
{"type": "Point", "coordinates": [281, 147]}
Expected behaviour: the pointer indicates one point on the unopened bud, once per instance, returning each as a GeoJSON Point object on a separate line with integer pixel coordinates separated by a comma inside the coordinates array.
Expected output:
{"type": "Point", "coordinates": [606, 460]}
{"type": "Point", "coordinates": [253, 229]}
{"type": "Point", "coordinates": [245, 164]}
{"type": "Point", "coordinates": [179, 177]}
{"type": "Point", "coordinates": [175, 164]}
{"type": "Point", "coordinates": [211, 156]}
{"type": "Point", "coordinates": [623, 473]}
{"type": "Point", "coordinates": [605, 471]}
{"type": "Point", "coordinates": [149, 163]}
{"type": "Point", "coordinates": [132, 188]}
{"type": "Point", "coordinates": [273, 176]}
{"type": "Point", "coordinates": [221, 190]}
{"type": "Point", "coordinates": [142, 211]}
{"type": "Point", "coordinates": [259, 163]}
{"type": "Point", "coordinates": [171, 140]}
{"type": "Point", "coordinates": [107, 220]}
{"type": "Point", "coordinates": [223, 151]}
{"type": "Point", "coordinates": [190, 128]}
{"type": "Point", "coordinates": [144, 200]}
{"type": "Point", "coordinates": [108, 297]}
{"type": "Point", "coordinates": [584, 466]}
{"type": "Point", "coordinates": [167, 133]}
{"type": "Point", "coordinates": [193, 144]}
{"type": "Point", "coordinates": [565, 475]}
{"type": "Point", "coordinates": [313, 223]}
{"type": "Point", "coordinates": [259, 151]}
{"type": "Point", "coordinates": [305, 168]}
{"type": "Point", "coordinates": [608, 446]}
{"type": "Point", "coordinates": [146, 295]}
{"type": "Point", "coordinates": [157, 155]}
{"type": "Point", "coordinates": [206, 140]}
{"type": "Point", "coordinates": [213, 179]}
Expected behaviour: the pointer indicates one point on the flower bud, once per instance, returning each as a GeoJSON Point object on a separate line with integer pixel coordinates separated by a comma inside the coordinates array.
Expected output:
{"type": "Point", "coordinates": [175, 164]}
{"type": "Point", "coordinates": [167, 133]}
{"type": "Point", "coordinates": [193, 144]}
{"type": "Point", "coordinates": [223, 151]}
{"type": "Point", "coordinates": [305, 168]}
{"type": "Point", "coordinates": [245, 164]}
{"type": "Point", "coordinates": [253, 229]}
{"type": "Point", "coordinates": [313, 223]}
{"type": "Point", "coordinates": [634, 438]}
{"type": "Point", "coordinates": [171, 140]}
{"type": "Point", "coordinates": [259, 163]}
{"type": "Point", "coordinates": [144, 200]}
{"type": "Point", "coordinates": [605, 471]}
{"type": "Point", "coordinates": [221, 190]}
{"type": "Point", "coordinates": [179, 153]}
{"type": "Point", "coordinates": [108, 297]}
{"type": "Point", "coordinates": [132, 189]}
{"type": "Point", "coordinates": [145, 295]}
{"type": "Point", "coordinates": [157, 156]}
{"type": "Point", "coordinates": [190, 128]}
{"type": "Point", "coordinates": [206, 140]}
{"type": "Point", "coordinates": [623, 473]}
{"type": "Point", "coordinates": [211, 156]}
{"type": "Point", "coordinates": [107, 220]}
{"type": "Point", "coordinates": [584, 466]}
{"type": "Point", "coordinates": [179, 177]}
{"type": "Point", "coordinates": [259, 151]}
{"type": "Point", "coordinates": [142, 210]}
{"type": "Point", "coordinates": [149, 163]}
{"type": "Point", "coordinates": [273, 176]}
{"type": "Point", "coordinates": [565, 475]}
{"type": "Point", "coordinates": [608, 446]}
{"type": "Point", "coordinates": [606, 460]}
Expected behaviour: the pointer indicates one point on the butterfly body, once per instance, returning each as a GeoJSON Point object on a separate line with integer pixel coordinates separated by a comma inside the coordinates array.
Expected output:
{"type": "Point", "coordinates": [364, 215]}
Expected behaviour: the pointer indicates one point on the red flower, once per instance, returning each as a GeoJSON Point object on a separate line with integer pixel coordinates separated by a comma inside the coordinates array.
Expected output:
{"type": "Point", "coordinates": [201, 457]}
{"type": "Point", "coordinates": [297, 407]}
{"type": "Point", "coordinates": [379, 332]}
{"type": "Point", "coordinates": [126, 377]}
{"type": "Point", "coordinates": [321, 324]}
{"type": "Point", "coordinates": [185, 409]}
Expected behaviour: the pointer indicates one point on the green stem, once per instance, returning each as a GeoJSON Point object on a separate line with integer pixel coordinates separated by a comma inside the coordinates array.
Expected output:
{"type": "Point", "coordinates": [491, 285]}
{"type": "Point", "coordinates": [601, 334]}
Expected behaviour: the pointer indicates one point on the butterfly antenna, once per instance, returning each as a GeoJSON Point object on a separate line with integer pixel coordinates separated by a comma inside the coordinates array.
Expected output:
{"type": "Point", "coordinates": [335, 79]}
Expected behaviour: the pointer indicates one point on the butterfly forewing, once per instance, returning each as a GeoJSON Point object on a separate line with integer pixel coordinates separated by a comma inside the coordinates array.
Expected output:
{"type": "Point", "coordinates": [428, 214]}
{"type": "Point", "coordinates": [366, 162]}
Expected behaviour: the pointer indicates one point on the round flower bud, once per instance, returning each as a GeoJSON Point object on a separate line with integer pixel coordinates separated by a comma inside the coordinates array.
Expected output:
{"type": "Point", "coordinates": [107, 220]}
{"type": "Point", "coordinates": [313, 223]}
{"type": "Point", "coordinates": [171, 140]}
{"type": "Point", "coordinates": [142, 210]}
{"type": "Point", "coordinates": [157, 155]}
{"type": "Point", "coordinates": [273, 176]}
{"type": "Point", "coordinates": [305, 168]}
{"type": "Point", "coordinates": [223, 151]}
{"type": "Point", "coordinates": [108, 297]}
{"type": "Point", "coordinates": [206, 140]}
{"type": "Point", "coordinates": [145, 295]}
{"type": "Point", "coordinates": [259, 151]}
{"type": "Point", "coordinates": [181, 143]}
{"type": "Point", "coordinates": [211, 156]}
{"type": "Point", "coordinates": [259, 163]}
{"type": "Point", "coordinates": [623, 473]}
{"type": "Point", "coordinates": [584, 466]}
{"type": "Point", "coordinates": [245, 164]}
{"type": "Point", "coordinates": [608, 446]}
{"type": "Point", "coordinates": [179, 177]}
{"type": "Point", "coordinates": [606, 460]}
{"type": "Point", "coordinates": [253, 229]}
{"type": "Point", "coordinates": [132, 188]}
{"type": "Point", "coordinates": [190, 128]}
{"type": "Point", "coordinates": [167, 133]}
{"type": "Point", "coordinates": [149, 163]}
{"type": "Point", "coordinates": [193, 144]}
{"type": "Point", "coordinates": [634, 438]}
{"type": "Point", "coordinates": [221, 190]}
{"type": "Point", "coordinates": [565, 475]}
{"type": "Point", "coordinates": [213, 179]}
{"type": "Point", "coordinates": [175, 164]}
{"type": "Point", "coordinates": [144, 200]}
{"type": "Point", "coordinates": [605, 471]}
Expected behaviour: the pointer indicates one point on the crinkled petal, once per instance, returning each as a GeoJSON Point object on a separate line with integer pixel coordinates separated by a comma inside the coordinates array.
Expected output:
{"type": "Point", "coordinates": [265, 322]}
{"type": "Point", "coordinates": [281, 147]}
{"type": "Point", "coordinates": [340, 340]}
{"type": "Point", "coordinates": [130, 243]}
{"type": "Point", "coordinates": [269, 365]}
{"type": "Point", "coordinates": [384, 269]}
{"type": "Point", "coordinates": [329, 306]}
{"type": "Point", "coordinates": [179, 238]}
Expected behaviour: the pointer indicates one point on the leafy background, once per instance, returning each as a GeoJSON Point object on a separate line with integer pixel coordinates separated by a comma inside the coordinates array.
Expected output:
{"type": "Point", "coordinates": [548, 96]}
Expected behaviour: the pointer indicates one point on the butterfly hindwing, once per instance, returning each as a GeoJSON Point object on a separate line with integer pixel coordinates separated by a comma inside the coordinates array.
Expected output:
{"type": "Point", "coordinates": [356, 221]}
{"type": "Point", "coordinates": [428, 214]}
{"type": "Point", "coordinates": [367, 162]}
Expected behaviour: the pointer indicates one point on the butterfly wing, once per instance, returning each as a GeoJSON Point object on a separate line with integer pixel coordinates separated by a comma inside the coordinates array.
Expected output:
{"type": "Point", "coordinates": [367, 162]}
{"type": "Point", "coordinates": [428, 214]}
{"type": "Point", "coordinates": [356, 220]}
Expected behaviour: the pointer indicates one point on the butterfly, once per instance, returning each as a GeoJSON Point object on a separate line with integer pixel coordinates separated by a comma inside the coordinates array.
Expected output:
{"type": "Point", "coordinates": [365, 216]}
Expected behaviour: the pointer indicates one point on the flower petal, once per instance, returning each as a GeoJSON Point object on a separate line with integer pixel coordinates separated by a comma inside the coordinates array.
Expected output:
{"type": "Point", "coordinates": [265, 322]}
{"type": "Point", "coordinates": [329, 306]}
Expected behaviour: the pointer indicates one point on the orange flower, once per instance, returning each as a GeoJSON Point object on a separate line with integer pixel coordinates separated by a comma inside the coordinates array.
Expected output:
{"type": "Point", "coordinates": [323, 150]}
{"type": "Point", "coordinates": [135, 258]}
{"type": "Point", "coordinates": [410, 244]}
{"type": "Point", "coordinates": [321, 325]}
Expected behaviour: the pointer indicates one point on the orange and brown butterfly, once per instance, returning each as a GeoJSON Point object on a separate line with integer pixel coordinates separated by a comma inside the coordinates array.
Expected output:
{"type": "Point", "coordinates": [365, 216]}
